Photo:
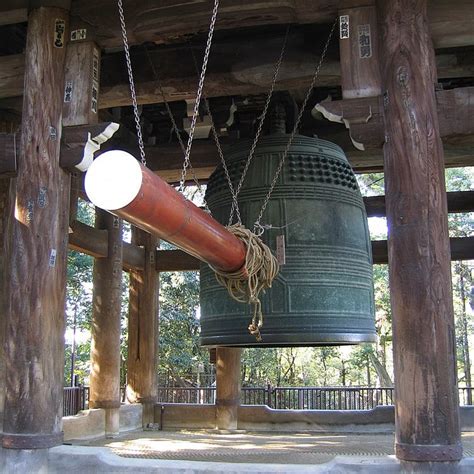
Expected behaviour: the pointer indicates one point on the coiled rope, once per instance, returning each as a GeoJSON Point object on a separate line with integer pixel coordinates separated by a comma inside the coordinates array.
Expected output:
{"type": "Point", "coordinates": [245, 285]}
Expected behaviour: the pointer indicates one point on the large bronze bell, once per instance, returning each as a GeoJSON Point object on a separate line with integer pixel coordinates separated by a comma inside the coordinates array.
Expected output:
{"type": "Point", "coordinates": [323, 295]}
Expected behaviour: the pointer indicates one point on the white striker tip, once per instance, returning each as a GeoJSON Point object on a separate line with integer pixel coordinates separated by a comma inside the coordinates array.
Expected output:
{"type": "Point", "coordinates": [113, 180]}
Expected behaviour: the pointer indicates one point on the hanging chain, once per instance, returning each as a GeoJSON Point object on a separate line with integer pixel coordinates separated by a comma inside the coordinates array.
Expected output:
{"type": "Point", "coordinates": [174, 124]}
{"type": "Point", "coordinates": [198, 95]}
{"type": "Point", "coordinates": [216, 139]}
{"type": "Point", "coordinates": [258, 228]}
{"type": "Point", "coordinates": [131, 82]}
{"type": "Point", "coordinates": [235, 208]}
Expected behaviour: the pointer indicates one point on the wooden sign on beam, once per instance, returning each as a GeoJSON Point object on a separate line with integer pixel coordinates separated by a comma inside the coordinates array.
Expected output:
{"type": "Point", "coordinates": [358, 46]}
{"type": "Point", "coordinates": [81, 84]}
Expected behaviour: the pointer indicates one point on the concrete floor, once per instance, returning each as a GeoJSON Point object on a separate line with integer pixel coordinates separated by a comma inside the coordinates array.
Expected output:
{"type": "Point", "coordinates": [256, 448]}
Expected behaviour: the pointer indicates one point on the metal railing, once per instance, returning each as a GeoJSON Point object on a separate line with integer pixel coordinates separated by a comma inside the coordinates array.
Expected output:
{"type": "Point", "coordinates": [75, 399]}
{"type": "Point", "coordinates": [289, 398]}
{"type": "Point", "coordinates": [201, 395]}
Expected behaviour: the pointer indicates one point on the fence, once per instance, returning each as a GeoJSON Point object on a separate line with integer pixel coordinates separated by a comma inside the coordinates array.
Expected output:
{"type": "Point", "coordinates": [293, 398]}
{"type": "Point", "coordinates": [290, 398]}
{"type": "Point", "coordinates": [75, 399]}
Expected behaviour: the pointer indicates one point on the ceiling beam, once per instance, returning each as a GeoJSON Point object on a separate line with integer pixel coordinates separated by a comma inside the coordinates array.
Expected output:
{"type": "Point", "coordinates": [173, 20]}
{"type": "Point", "coordinates": [235, 68]}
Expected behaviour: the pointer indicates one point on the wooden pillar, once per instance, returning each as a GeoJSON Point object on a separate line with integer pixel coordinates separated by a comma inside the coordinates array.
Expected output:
{"type": "Point", "coordinates": [4, 213]}
{"type": "Point", "coordinates": [227, 387]}
{"type": "Point", "coordinates": [143, 329]}
{"type": "Point", "coordinates": [105, 347]}
{"type": "Point", "coordinates": [36, 252]}
{"type": "Point", "coordinates": [427, 424]}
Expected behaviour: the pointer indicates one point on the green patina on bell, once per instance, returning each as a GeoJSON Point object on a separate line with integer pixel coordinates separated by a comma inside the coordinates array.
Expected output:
{"type": "Point", "coordinates": [323, 295]}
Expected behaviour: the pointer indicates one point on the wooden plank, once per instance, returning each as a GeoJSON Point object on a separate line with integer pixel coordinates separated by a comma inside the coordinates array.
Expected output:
{"type": "Point", "coordinates": [173, 20]}
{"type": "Point", "coordinates": [427, 426]}
{"type": "Point", "coordinates": [143, 329]}
{"type": "Point", "coordinates": [358, 49]}
{"type": "Point", "coordinates": [37, 249]}
{"type": "Point", "coordinates": [459, 201]}
{"type": "Point", "coordinates": [104, 387]}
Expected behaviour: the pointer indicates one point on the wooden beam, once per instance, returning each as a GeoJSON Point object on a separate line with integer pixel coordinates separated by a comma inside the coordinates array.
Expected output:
{"type": "Point", "coordinates": [8, 155]}
{"type": "Point", "coordinates": [175, 261]}
{"type": "Point", "coordinates": [172, 21]}
{"type": "Point", "coordinates": [462, 248]}
{"type": "Point", "coordinates": [92, 241]}
{"type": "Point", "coordinates": [234, 69]}
{"type": "Point", "coordinates": [364, 116]}
{"type": "Point", "coordinates": [459, 201]}
{"type": "Point", "coordinates": [12, 73]}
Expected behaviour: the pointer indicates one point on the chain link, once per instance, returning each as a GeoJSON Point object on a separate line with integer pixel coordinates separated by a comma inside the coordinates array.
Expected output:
{"type": "Point", "coordinates": [235, 206]}
{"type": "Point", "coordinates": [198, 96]}
{"type": "Point", "coordinates": [175, 126]}
{"type": "Point", "coordinates": [131, 82]}
{"type": "Point", "coordinates": [258, 228]}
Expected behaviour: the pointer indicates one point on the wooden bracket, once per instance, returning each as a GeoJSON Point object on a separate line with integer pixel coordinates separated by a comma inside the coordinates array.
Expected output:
{"type": "Point", "coordinates": [364, 117]}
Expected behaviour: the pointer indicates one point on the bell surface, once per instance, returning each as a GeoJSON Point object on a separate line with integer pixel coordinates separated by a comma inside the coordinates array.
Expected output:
{"type": "Point", "coordinates": [323, 294]}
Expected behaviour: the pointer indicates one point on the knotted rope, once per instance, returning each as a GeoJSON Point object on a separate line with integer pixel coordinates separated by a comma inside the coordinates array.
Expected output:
{"type": "Point", "coordinates": [260, 269]}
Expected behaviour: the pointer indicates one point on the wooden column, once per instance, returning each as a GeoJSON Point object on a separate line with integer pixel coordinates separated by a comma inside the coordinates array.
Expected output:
{"type": "Point", "coordinates": [5, 210]}
{"type": "Point", "coordinates": [143, 329]}
{"type": "Point", "coordinates": [427, 422]}
{"type": "Point", "coordinates": [227, 387]}
{"type": "Point", "coordinates": [105, 347]}
{"type": "Point", "coordinates": [36, 252]}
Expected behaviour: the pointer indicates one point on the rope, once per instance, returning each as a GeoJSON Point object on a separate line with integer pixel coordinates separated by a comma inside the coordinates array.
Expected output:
{"type": "Point", "coordinates": [246, 284]}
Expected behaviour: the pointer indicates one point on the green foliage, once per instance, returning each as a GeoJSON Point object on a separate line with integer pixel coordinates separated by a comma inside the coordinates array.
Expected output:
{"type": "Point", "coordinates": [180, 353]}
